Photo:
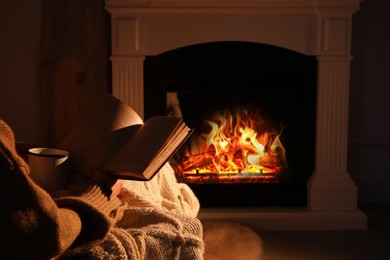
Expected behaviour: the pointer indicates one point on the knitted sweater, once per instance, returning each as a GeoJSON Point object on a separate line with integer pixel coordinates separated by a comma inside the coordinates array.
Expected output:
{"type": "Point", "coordinates": [35, 226]}
{"type": "Point", "coordinates": [159, 222]}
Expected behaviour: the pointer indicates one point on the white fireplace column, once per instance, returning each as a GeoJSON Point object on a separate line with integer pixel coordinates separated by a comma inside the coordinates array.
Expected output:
{"type": "Point", "coordinates": [321, 28]}
{"type": "Point", "coordinates": [128, 80]}
{"type": "Point", "coordinates": [331, 187]}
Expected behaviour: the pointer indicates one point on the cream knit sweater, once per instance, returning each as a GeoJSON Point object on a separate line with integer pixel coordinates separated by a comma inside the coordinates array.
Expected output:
{"type": "Point", "coordinates": [159, 222]}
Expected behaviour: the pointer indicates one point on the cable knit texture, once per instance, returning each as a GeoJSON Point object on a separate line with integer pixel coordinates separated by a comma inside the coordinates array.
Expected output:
{"type": "Point", "coordinates": [158, 223]}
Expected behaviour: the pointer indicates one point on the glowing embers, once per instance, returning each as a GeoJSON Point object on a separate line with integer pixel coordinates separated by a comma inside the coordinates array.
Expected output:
{"type": "Point", "coordinates": [237, 147]}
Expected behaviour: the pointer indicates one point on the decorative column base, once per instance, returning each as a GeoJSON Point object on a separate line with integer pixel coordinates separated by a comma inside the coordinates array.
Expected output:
{"type": "Point", "coordinates": [332, 191]}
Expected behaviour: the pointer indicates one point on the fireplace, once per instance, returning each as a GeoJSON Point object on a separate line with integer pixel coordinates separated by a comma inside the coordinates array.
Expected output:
{"type": "Point", "coordinates": [253, 110]}
{"type": "Point", "coordinates": [321, 29]}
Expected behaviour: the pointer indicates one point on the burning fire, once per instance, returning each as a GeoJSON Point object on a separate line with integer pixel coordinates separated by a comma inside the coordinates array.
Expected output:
{"type": "Point", "coordinates": [237, 146]}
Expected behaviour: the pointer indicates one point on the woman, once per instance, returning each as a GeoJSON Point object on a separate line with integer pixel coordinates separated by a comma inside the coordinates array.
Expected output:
{"type": "Point", "coordinates": [156, 219]}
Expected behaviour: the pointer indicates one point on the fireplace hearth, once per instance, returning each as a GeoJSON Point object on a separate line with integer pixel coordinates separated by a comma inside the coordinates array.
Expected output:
{"type": "Point", "coordinates": [320, 28]}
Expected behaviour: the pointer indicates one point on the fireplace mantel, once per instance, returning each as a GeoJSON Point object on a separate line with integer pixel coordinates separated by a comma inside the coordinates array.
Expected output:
{"type": "Point", "coordinates": [321, 28]}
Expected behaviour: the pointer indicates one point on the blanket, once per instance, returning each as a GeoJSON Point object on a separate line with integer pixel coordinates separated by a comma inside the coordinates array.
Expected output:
{"type": "Point", "coordinates": [159, 222]}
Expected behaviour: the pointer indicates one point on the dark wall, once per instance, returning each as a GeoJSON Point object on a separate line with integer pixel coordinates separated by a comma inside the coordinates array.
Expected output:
{"type": "Point", "coordinates": [369, 124]}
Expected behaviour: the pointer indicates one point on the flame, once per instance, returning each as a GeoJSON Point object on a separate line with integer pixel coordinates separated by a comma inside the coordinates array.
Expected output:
{"type": "Point", "coordinates": [237, 145]}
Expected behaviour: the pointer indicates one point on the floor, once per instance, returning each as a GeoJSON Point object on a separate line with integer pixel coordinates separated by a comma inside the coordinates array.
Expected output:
{"type": "Point", "coordinates": [370, 244]}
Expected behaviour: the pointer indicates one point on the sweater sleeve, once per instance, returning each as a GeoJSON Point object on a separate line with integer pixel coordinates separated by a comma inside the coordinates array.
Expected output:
{"type": "Point", "coordinates": [32, 224]}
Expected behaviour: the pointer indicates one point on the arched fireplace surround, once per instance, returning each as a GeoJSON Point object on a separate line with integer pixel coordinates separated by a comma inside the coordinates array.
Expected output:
{"type": "Point", "coordinates": [320, 28]}
{"type": "Point", "coordinates": [276, 83]}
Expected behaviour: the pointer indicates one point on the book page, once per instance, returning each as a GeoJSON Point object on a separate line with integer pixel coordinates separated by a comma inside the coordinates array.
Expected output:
{"type": "Point", "coordinates": [101, 135]}
{"type": "Point", "coordinates": [164, 154]}
{"type": "Point", "coordinates": [144, 146]}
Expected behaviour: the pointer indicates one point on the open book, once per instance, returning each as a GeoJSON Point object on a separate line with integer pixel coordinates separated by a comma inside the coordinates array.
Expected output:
{"type": "Point", "coordinates": [114, 138]}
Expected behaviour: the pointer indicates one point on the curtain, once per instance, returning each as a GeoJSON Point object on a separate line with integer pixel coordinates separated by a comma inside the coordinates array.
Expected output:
{"type": "Point", "coordinates": [74, 63]}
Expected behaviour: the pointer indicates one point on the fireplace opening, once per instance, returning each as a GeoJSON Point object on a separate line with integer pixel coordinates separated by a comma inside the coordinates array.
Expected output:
{"type": "Point", "coordinates": [252, 107]}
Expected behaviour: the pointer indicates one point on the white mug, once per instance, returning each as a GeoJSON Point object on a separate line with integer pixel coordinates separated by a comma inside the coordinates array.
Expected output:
{"type": "Point", "coordinates": [48, 167]}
